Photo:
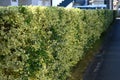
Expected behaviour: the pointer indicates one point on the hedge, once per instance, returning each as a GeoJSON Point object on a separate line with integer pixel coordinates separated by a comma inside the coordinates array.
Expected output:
{"type": "Point", "coordinates": [43, 43]}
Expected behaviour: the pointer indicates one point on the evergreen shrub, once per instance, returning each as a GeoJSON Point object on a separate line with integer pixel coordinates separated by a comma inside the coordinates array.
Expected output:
{"type": "Point", "coordinates": [43, 43]}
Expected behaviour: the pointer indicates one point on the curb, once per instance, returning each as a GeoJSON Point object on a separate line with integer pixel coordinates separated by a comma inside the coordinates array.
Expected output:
{"type": "Point", "coordinates": [94, 67]}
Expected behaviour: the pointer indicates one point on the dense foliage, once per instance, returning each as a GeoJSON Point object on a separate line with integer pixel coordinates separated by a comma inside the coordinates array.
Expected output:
{"type": "Point", "coordinates": [41, 43]}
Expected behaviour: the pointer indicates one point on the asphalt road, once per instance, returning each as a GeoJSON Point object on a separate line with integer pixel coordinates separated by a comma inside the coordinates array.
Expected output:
{"type": "Point", "coordinates": [110, 69]}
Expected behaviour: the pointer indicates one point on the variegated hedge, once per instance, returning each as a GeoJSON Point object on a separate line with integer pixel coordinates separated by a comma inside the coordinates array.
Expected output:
{"type": "Point", "coordinates": [41, 43]}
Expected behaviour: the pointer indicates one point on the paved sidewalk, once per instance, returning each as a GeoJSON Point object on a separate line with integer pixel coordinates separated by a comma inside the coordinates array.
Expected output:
{"type": "Point", "coordinates": [110, 69]}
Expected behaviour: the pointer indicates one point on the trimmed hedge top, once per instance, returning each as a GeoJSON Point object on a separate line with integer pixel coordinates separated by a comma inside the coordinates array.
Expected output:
{"type": "Point", "coordinates": [43, 43]}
